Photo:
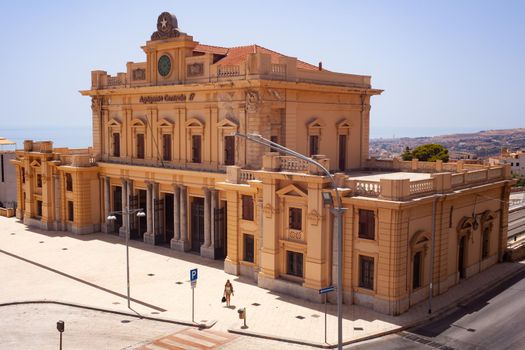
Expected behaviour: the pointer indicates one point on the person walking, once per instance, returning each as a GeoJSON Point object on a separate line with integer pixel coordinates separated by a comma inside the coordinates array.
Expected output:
{"type": "Point", "coordinates": [228, 291]}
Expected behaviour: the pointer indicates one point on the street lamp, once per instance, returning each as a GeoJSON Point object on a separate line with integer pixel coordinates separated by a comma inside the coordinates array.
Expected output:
{"type": "Point", "coordinates": [128, 212]}
{"type": "Point", "coordinates": [338, 212]}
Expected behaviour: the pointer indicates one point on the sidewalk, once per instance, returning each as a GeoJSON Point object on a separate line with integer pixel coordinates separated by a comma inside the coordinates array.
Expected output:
{"type": "Point", "coordinates": [91, 270]}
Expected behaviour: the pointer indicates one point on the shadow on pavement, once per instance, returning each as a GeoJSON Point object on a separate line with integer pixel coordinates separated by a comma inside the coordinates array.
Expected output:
{"type": "Point", "coordinates": [436, 327]}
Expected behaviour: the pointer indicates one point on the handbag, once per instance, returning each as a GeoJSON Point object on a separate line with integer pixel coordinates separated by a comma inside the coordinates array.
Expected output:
{"type": "Point", "coordinates": [223, 300]}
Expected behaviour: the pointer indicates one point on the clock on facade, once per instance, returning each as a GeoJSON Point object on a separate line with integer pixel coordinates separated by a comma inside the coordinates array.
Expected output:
{"type": "Point", "coordinates": [164, 65]}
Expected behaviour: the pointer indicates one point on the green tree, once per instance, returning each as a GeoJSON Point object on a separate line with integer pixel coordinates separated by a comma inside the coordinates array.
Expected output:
{"type": "Point", "coordinates": [430, 153]}
{"type": "Point", "coordinates": [407, 154]}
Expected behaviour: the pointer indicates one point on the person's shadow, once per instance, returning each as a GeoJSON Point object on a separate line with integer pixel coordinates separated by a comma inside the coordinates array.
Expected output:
{"type": "Point", "coordinates": [231, 307]}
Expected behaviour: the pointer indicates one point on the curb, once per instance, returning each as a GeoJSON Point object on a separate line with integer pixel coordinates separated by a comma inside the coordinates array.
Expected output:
{"type": "Point", "coordinates": [206, 325]}
{"type": "Point", "coordinates": [439, 313]}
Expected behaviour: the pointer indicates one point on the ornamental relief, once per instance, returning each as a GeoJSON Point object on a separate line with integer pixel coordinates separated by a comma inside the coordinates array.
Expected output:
{"type": "Point", "coordinates": [314, 217]}
{"type": "Point", "coordinates": [253, 100]}
{"type": "Point", "coordinates": [195, 69]}
{"type": "Point", "coordinates": [295, 235]}
{"type": "Point", "coordinates": [139, 74]}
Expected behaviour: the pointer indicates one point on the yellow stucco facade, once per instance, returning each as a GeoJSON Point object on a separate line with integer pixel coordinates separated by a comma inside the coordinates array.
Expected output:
{"type": "Point", "coordinates": [162, 142]}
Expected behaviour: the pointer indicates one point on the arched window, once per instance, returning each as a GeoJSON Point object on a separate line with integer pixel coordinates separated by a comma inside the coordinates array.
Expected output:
{"type": "Point", "coordinates": [418, 248]}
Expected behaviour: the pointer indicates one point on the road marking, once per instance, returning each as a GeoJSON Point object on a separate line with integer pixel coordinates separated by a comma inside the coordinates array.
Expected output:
{"type": "Point", "coordinates": [191, 339]}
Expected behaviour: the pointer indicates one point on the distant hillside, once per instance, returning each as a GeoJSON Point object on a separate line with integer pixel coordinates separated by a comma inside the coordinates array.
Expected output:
{"type": "Point", "coordinates": [482, 144]}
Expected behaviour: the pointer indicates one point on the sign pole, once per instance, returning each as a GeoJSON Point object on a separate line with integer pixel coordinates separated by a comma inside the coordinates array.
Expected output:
{"type": "Point", "coordinates": [192, 304]}
{"type": "Point", "coordinates": [325, 309]}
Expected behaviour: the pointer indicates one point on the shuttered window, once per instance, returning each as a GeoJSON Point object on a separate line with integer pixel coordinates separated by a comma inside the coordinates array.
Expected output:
{"type": "Point", "coordinates": [295, 219]}
{"type": "Point", "coordinates": [366, 224]}
{"type": "Point", "coordinates": [116, 144]}
{"type": "Point", "coordinates": [196, 149]}
{"type": "Point", "coordinates": [247, 207]}
{"type": "Point", "coordinates": [140, 146]}
{"type": "Point", "coordinates": [314, 144]}
{"type": "Point", "coordinates": [366, 272]}
{"type": "Point", "coordinates": [166, 147]}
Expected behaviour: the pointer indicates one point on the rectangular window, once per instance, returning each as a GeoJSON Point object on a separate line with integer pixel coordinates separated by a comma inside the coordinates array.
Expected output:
{"type": "Point", "coordinates": [314, 145]}
{"type": "Point", "coordinates": [23, 175]}
{"type": "Point", "coordinates": [247, 207]}
{"type": "Point", "coordinates": [229, 150]}
{"type": "Point", "coordinates": [295, 219]}
{"type": "Point", "coordinates": [366, 224]}
{"type": "Point", "coordinates": [294, 264]}
{"type": "Point", "coordinates": [70, 212]}
{"type": "Point", "coordinates": [366, 272]}
{"type": "Point", "coordinates": [140, 146]}
{"type": "Point", "coordinates": [249, 248]}
{"type": "Point", "coordinates": [416, 271]}
{"type": "Point", "coordinates": [69, 182]}
{"type": "Point", "coordinates": [196, 149]}
{"type": "Point", "coordinates": [116, 144]}
{"type": "Point", "coordinates": [342, 152]}
{"type": "Point", "coordinates": [39, 208]}
{"type": "Point", "coordinates": [39, 180]}
{"type": "Point", "coordinates": [166, 147]}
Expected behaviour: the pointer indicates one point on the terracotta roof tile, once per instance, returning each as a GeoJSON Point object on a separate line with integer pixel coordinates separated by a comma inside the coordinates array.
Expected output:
{"type": "Point", "coordinates": [236, 55]}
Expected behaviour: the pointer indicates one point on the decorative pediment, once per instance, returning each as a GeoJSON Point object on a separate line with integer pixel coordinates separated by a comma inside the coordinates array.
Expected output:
{"type": "Point", "coordinates": [487, 216]}
{"type": "Point", "coordinates": [419, 238]}
{"type": "Point", "coordinates": [35, 164]}
{"type": "Point", "coordinates": [194, 123]}
{"type": "Point", "coordinates": [166, 123]}
{"type": "Point", "coordinates": [466, 225]}
{"type": "Point", "coordinates": [344, 124]}
{"type": "Point", "coordinates": [292, 191]}
{"type": "Point", "coordinates": [114, 122]}
{"type": "Point", "coordinates": [316, 124]}
{"type": "Point", "coordinates": [136, 122]}
{"type": "Point", "coordinates": [227, 124]}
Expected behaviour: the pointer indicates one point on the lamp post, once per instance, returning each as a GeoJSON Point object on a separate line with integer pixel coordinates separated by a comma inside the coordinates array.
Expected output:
{"type": "Point", "coordinates": [338, 211]}
{"type": "Point", "coordinates": [140, 213]}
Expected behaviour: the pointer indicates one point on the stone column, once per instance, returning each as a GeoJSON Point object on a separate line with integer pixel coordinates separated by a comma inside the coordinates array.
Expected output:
{"type": "Point", "coordinates": [148, 235]}
{"type": "Point", "coordinates": [56, 200]}
{"type": "Point", "coordinates": [176, 216]}
{"type": "Point", "coordinates": [207, 250]}
{"type": "Point", "coordinates": [155, 198]}
{"type": "Point", "coordinates": [106, 225]}
{"type": "Point", "coordinates": [214, 205]}
{"type": "Point", "coordinates": [122, 231]}
{"type": "Point", "coordinates": [183, 244]}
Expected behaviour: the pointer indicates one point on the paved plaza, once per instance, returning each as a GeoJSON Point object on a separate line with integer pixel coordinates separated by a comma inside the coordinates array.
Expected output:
{"type": "Point", "coordinates": [91, 270]}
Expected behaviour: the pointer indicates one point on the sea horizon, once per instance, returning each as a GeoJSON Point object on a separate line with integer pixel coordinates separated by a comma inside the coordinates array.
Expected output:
{"type": "Point", "coordinates": [81, 136]}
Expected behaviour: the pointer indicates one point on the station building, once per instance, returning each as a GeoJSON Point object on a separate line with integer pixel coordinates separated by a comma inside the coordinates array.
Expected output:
{"type": "Point", "coordinates": [162, 141]}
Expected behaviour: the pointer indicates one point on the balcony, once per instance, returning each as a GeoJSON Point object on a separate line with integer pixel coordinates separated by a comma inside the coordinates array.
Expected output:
{"type": "Point", "coordinates": [391, 180]}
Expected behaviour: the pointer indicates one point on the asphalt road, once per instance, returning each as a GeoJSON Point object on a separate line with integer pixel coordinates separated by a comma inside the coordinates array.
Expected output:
{"type": "Point", "coordinates": [493, 320]}
{"type": "Point", "coordinates": [33, 326]}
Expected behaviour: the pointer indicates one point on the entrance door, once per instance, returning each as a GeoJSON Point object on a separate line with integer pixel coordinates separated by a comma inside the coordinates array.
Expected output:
{"type": "Point", "coordinates": [142, 222]}
{"type": "Point", "coordinates": [168, 217]}
{"type": "Point", "coordinates": [220, 233]}
{"type": "Point", "coordinates": [461, 257]}
{"type": "Point", "coordinates": [117, 206]}
{"type": "Point", "coordinates": [197, 224]}
{"type": "Point", "coordinates": [133, 204]}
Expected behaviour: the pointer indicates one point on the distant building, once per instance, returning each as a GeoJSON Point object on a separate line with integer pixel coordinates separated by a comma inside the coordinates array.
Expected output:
{"type": "Point", "coordinates": [7, 177]}
{"type": "Point", "coordinates": [515, 159]}
{"type": "Point", "coordinates": [458, 155]}
{"type": "Point", "coordinates": [162, 142]}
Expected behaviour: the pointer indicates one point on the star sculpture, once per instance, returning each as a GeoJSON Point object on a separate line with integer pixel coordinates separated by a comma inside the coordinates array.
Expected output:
{"type": "Point", "coordinates": [164, 22]}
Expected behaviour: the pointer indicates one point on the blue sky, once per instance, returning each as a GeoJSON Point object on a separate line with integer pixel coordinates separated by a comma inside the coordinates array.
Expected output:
{"type": "Point", "coordinates": [445, 66]}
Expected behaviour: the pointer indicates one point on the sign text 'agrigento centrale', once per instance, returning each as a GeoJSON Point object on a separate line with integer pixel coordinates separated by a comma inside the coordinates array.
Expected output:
{"type": "Point", "coordinates": [167, 98]}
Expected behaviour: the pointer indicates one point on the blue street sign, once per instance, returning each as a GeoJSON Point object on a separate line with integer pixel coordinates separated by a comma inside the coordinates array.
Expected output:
{"type": "Point", "coordinates": [326, 290]}
{"type": "Point", "coordinates": [193, 275]}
